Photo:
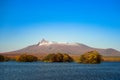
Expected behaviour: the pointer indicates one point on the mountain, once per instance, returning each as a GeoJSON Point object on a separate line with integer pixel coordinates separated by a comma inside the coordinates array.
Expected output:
{"type": "Point", "coordinates": [46, 47]}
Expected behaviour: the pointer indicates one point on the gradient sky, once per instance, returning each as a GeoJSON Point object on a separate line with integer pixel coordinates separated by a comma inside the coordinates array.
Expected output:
{"type": "Point", "coordinates": [95, 23]}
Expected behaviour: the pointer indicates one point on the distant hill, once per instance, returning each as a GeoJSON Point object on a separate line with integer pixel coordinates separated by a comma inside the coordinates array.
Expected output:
{"type": "Point", "coordinates": [46, 47]}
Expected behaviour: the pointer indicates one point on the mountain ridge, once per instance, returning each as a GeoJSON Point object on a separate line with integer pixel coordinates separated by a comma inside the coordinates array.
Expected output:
{"type": "Point", "coordinates": [46, 47]}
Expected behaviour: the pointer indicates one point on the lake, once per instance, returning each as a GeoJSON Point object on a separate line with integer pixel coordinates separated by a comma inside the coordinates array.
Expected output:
{"type": "Point", "coordinates": [59, 71]}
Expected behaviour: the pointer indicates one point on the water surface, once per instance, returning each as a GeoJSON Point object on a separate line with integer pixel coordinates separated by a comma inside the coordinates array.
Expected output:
{"type": "Point", "coordinates": [59, 71]}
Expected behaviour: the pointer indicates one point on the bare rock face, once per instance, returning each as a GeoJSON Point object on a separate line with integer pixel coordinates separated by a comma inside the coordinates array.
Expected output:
{"type": "Point", "coordinates": [43, 42]}
{"type": "Point", "coordinates": [46, 47]}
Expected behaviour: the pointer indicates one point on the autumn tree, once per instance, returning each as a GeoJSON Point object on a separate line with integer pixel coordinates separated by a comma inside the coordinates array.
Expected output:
{"type": "Point", "coordinates": [49, 58]}
{"type": "Point", "coordinates": [57, 58]}
{"type": "Point", "coordinates": [67, 58]}
{"type": "Point", "coordinates": [7, 58]}
{"type": "Point", "coordinates": [2, 58]}
{"type": "Point", "coordinates": [91, 57]}
{"type": "Point", "coordinates": [26, 58]}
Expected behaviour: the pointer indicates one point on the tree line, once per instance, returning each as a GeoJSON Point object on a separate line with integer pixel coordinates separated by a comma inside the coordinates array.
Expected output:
{"type": "Point", "coordinates": [91, 57]}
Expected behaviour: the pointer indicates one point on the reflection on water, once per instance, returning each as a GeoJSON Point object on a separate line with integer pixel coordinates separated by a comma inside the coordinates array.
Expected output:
{"type": "Point", "coordinates": [59, 71]}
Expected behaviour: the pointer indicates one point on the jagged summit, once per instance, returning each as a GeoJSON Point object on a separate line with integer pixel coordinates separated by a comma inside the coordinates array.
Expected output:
{"type": "Point", "coordinates": [44, 42]}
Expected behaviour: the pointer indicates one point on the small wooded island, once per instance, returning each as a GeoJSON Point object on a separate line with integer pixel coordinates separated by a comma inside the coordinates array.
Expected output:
{"type": "Point", "coordinates": [91, 57]}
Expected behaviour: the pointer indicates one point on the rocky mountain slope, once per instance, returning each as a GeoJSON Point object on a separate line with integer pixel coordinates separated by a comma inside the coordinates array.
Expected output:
{"type": "Point", "coordinates": [46, 47]}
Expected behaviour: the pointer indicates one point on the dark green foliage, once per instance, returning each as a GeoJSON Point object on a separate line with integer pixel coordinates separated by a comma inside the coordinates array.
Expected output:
{"type": "Point", "coordinates": [92, 57]}
{"type": "Point", "coordinates": [26, 58]}
{"type": "Point", "coordinates": [57, 58]}
{"type": "Point", "coordinates": [2, 58]}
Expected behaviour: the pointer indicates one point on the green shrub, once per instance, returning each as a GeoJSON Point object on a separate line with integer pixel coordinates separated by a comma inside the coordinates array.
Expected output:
{"type": "Point", "coordinates": [2, 58]}
{"type": "Point", "coordinates": [92, 57]}
{"type": "Point", "coordinates": [26, 58]}
{"type": "Point", "coordinates": [57, 58]}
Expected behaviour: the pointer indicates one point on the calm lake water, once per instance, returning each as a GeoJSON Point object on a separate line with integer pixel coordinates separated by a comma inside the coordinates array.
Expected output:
{"type": "Point", "coordinates": [59, 71]}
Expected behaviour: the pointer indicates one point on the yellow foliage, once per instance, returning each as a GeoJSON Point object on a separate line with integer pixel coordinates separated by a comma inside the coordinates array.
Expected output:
{"type": "Point", "coordinates": [26, 58]}
{"type": "Point", "coordinates": [92, 57]}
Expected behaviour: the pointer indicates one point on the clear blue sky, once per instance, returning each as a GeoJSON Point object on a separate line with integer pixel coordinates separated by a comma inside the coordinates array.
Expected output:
{"type": "Point", "coordinates": [95, 23]}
